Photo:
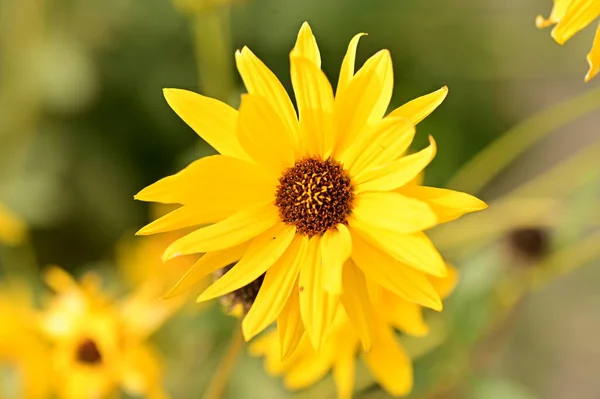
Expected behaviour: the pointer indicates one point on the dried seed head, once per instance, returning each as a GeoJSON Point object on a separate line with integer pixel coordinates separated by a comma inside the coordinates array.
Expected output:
{"type": "Point", "coordinates": [243, 297]}
{"type": "Point", "coordinates": [87, 352]}
{"type": "Point", "coordinates": [531, 243]}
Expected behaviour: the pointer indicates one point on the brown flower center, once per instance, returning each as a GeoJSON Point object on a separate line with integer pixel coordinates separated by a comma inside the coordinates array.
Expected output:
{"type": "Point", "coordinates": [87, 352]}
{"type": "Point", "coordinates": [314, 195]}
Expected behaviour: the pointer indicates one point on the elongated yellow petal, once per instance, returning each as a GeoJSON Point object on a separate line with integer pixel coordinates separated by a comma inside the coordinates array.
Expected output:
{"type": "Point", "coordinates": [357, 304]}
{"type": "Point", "coordinates": [397, 173]}
{"type": "Point", "coordinates": [239, 184]}
{"type": "Point", "coordinates": [344, 373]}
{"type": "Point", "coordinates": [262, 134]}
{"type": "Point", "coordinates": [414, 250]}
{"type": "Point", "coordinates": [365, 100]}
{"type": "Point", "coordinates": [185, 216]}
{"type": "Point", "coordinates": [389, 363]}
{"type": "Point", "coordinates": [309, 367]}
{"type": "Point", "coordinates": [230, 232]}
{"type": "Point", "coordinates": [420, 108]}
{"type": "Point", "coordinates": [447, 204]}
{"type": "Point", "coordinates": [289, 325]}
{"type": "Point", "coordinates": [316, 305]}
{"type": "Point", "coordinates": [593, 57]}
{"type": "Point", "coordinates": [262, 253]}
{"type": "Point", "coordinates": [378, 145]}
{"type": "Point", "coordinates": [259, 79]}
{"type": "Point", "coordinates": [306, 45]}
{"type": "Point", "coordinates": [140, 373]}
{"type": "Point", "coordinates": [59, 280]}
{"type": "Point", "coordinates": [275, 289]}
{"type": "Point", "coordinates": [336, 246]}
{"type": "Point", "coordinates": [314, 97]}
{"type": "Point", "coordinates": [404, 315]}
{"type": "Point", "coordinates": [558, 11]}
{"type": "Point", "coordinates": [396, 277]}
{"type": "Point", "coordinates": [213, 120]}
{"type": "Point", "coordinates": [208, 263]}
{"type": "Point", "coordinates": [393, 211]}
{"type": "Point", "coordinates": [445, 285]}
{"type": "Point", "coordinates": [347, 70]}
{"type": "Point", "coordinates": [579, 15]}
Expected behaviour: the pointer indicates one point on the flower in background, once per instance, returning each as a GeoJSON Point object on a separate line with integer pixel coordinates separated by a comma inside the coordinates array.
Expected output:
{"type": "Point", "coordinates": [309, 209]}
{"type": "Point", "coordinates": [387, 360]}
{"type": "Point", "coordinates": [99, 344]}
{"type": "Point", "coordinates": [12, 229]}
{"type": "Point", "coordinates": [23, 355]}
{"type": "Point", "coordinates": [571, 16]}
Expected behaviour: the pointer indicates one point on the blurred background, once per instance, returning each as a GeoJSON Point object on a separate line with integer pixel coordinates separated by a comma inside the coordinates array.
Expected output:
{"type": "Point", "coordinates": [84, 126]}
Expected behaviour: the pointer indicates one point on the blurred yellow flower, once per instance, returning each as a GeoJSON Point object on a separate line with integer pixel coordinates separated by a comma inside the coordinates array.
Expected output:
{"type": "Point", "coordinates": [22, 351]}
{"type": "Point", "coordinates": [12, 229]}
{"type": "Point", "coordinates": [386, 359]}
{"type": "Point", "coordinates": [571, 16]}
{"type": "Point", "coordinates": [308, 209]}
{"type": "Point", "coordinates": [99, 344]}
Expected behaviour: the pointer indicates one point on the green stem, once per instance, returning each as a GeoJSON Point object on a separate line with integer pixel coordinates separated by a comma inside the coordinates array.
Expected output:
{"type": "Point", "coordinates": [487, 164]}
{"type": "Point", "coordinates": [218, 383]}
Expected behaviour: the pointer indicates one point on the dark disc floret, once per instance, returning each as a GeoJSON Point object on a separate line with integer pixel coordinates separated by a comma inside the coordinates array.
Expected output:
{"type": "Point", "coordinates": [88, 352]}
{"type": "Point", "coordinates": [315, 195]}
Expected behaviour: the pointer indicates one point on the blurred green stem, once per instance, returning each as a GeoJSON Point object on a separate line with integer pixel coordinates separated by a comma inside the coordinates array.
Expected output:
{"type": "Point", "coordinates": [212, 41]}
{"type": "Point", "coordinates": [218, 383]}
{"type": "Point", "coordinates": [489, 162]}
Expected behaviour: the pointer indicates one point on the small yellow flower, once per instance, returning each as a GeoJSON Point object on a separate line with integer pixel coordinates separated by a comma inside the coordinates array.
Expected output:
{"type": "Point", "coordinates": [386, 359]}
{"type": "Point", "coordinates": [12, 229]}
{"type": "Point", "coordinates": [571, 16]}
{"type": "Point", "coordinates": [22, 351]}
{"type": "Point", "coordinates": [99, 345]}
{"type": "Point", "coordinates": [308, 209]}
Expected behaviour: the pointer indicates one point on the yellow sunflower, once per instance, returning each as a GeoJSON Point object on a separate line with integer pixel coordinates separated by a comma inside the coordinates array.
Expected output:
{"type": "Point", "coordinates": [99, 345]}
{"type": "Point", "coordinates": [290, 201]}
{"type": "Point", "coordinates": [571, 16]}
{"type": "Point", "coordinates": [23, 355]}
{"type": "Point", "coordinates": [387, 360]}
{"type": "Point", "coordinates": [12, 229]}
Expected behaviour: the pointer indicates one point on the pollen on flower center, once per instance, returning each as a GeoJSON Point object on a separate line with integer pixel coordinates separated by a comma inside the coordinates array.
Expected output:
{"type": "Point", "coordinates": [314, 195]}
{"type": "Point", "coordinates": [87, 352]}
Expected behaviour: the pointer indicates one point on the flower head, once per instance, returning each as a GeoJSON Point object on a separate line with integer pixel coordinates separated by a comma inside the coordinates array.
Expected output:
{"type": "Point", "coordinates": [99, 345]}
{"type": "Point", "coordinates": [316, 206]}
{"type": "Point", "coordinates": [571, 16]}
{"type": "Point", "coordinates": [386, 359]}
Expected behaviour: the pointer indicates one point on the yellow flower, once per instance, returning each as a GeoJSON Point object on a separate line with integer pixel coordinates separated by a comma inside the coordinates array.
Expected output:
{"type": "Point", "coordinates": [571, 16]}
{"type": "Point", "coordinates": [307, 210]}
{"type": "Point", "coordinates": [99, 345]}
{"type": "Point", "coordinates": [22, 352]}
{"type": "Point", "coordinates": [387, 360]}
{"type": "Point", "coordinates": [12, 229]}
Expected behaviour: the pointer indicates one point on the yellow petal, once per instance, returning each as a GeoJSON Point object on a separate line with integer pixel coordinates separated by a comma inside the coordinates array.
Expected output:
{"type": "Point", "coordinates": [262, 253]}
{"type": "Point", "coordinates": [275, 289]}
{"type": "Point", "coordinates": [579, 15]}
{"type": "Point", "coordinates": [396, 277]}
{"type": "Point", "coordinates": [336, 246]}
{"type": "Point", "coordinates": [141, 372]}
{"type": "Point", "coordinates": [558, 11]}
{"type": "Point", "coordinates": [143, 313]}
{"type": "Point", "coordinates": [343, 374]}
{"type": "Point", "coordinates": [306, 45]}
{"type": "Point", "coordinates": [415, 250]}
{"type": "Point", "coordinates": [447, 204]}
{"type": "Point", "coordinates": [445, 285]}
{"type": "Point", "coordinates": [213, 120]}
{"type": "Point", "coordinates": [289, 325]}
{"type": "Point", "coordinates": [59, 280]}
{"type": "Point", "coordinates": [365, 100]}
{"type": "Point", "coordinates": [404, 315]}
{"type": "Point", "coordinates": [12, 229]}
{"type": "Point", "coordinates": [393, 211]}
{"type": "Point", "coordinates": [396, 174]}
{"type": "Point", "coordinates": [316, 305]}
{"type": "Point", "coordinates": [420, 108]}
{"type": "Point", "coordinates": [314, 97]}
{"type": "Point", "coordinates": [593, 57]}
{"type": "Point", "coordinates": [259, 80]}
{"type": "Point", "coordinates": [389, 363]}
{"type": "Point", "coordinates": [347, 69]}
{"type": "Point", "coordinates": [262, 134]}
{"type": "Point", "coordinates": [183, 217]}
{"type": "Point", "coordinates": [207, 264]}
{"type": "Point", "coordinates": [230, 232]}
{"type": "Point", "coordinates": [238, 185]}
{"type": "Point", "coordinates": [378, 145]}
{"type": "Point", "coordinates": [308, 368]}
{"type": "Point", "coordinates": [355, 299]}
